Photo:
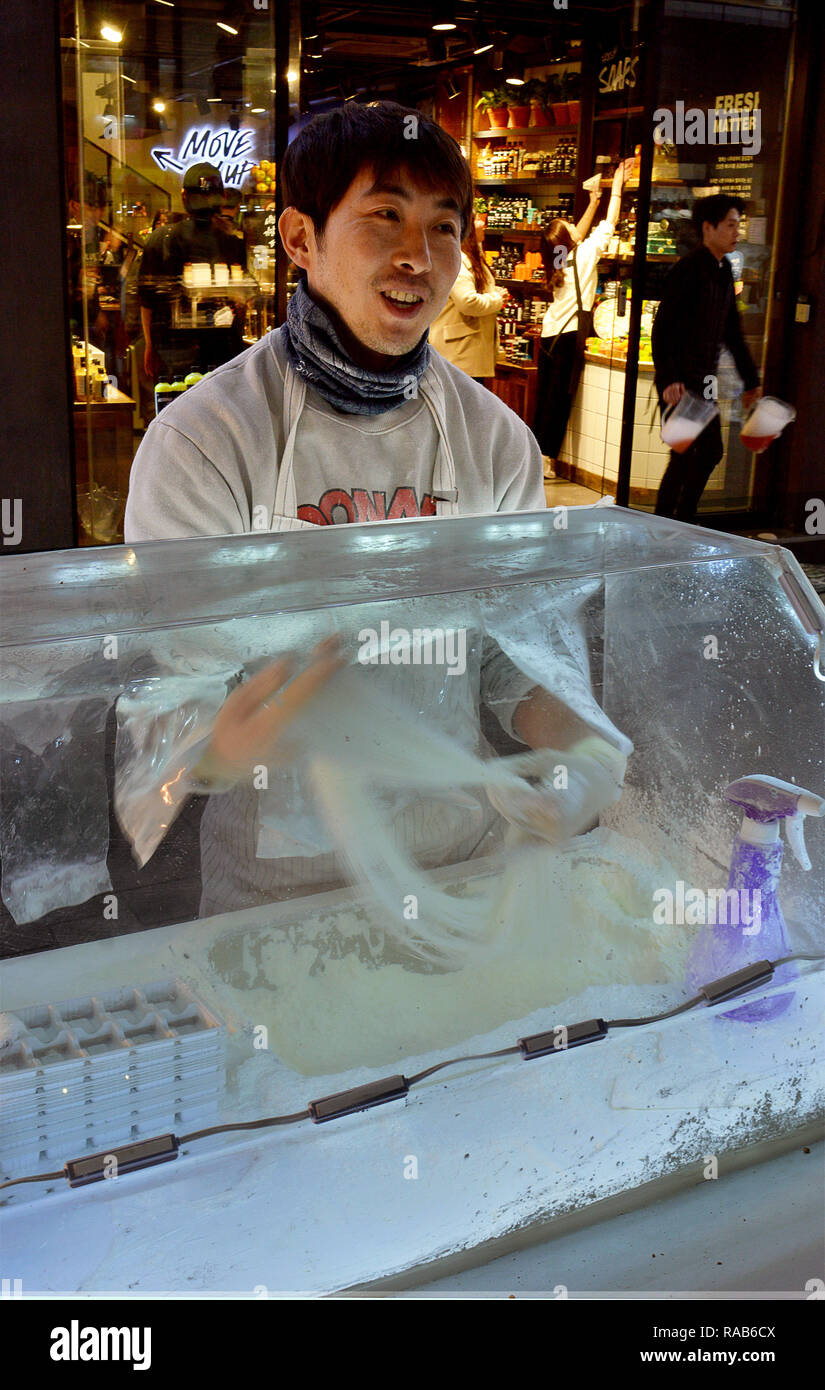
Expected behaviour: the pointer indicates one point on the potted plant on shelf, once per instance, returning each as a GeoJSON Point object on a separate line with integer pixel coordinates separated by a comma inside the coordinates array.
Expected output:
{"type": "Point", "coordinates": [555, 91]}
{"type": "Point", "coordinates": [572, 92]}
{"type": "Point", "coordinates": [518, 102]}
{"type": "Point", "coordinates": [493, 104]}
{"type": "Point", "coordinates": [541, 113]}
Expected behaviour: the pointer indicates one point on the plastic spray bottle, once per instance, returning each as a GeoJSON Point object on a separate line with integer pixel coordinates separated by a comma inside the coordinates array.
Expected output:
{"type": "Point", "coordinates": [753, 927]}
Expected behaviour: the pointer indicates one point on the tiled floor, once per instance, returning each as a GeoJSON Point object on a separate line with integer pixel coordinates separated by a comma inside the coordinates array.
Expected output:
{"type": "Point", "coordinates": [564, 494]}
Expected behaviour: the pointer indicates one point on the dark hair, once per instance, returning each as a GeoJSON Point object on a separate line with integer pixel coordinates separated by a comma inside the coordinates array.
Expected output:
{"type": "Point", "coordinates": [557, 234]}
{"type": "Point", "coordinates": [714, 209]}
{"type": "Point", "coordinates": [330, 152]}
{"type": "Point", "coordinates": [482, 274]}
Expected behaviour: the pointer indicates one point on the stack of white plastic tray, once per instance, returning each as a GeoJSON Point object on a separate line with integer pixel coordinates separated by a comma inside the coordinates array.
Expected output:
{"type": "Point", "coordinates": [85, 1073]}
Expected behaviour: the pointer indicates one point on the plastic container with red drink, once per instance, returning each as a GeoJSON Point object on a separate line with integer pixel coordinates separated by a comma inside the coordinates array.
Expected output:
{"type": "Point", "coordinates": [765, 423]}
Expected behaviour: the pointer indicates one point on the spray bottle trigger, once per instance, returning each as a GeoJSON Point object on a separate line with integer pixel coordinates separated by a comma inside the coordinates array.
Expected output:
{"type": "Point", "coordinates": [794, 829]}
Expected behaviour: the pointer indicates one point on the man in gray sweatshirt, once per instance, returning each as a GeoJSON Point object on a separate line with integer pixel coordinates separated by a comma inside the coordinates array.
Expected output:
{"type": "Point", "coordinates": [345, 414]}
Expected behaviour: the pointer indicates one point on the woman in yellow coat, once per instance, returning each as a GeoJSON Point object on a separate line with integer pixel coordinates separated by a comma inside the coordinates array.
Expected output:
{"type": "Point", "coordinates": [465, 331]}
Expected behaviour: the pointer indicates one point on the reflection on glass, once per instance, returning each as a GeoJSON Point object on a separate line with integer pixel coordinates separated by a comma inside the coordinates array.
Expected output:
{"type": "Point", "coordinates": [170, 92]}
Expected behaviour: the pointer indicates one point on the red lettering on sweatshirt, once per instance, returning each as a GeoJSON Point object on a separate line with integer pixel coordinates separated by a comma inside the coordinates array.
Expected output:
{"type": "Point", "coordinates": [360, 505]}
{"type": "Point", "coordinates": [369, 508]}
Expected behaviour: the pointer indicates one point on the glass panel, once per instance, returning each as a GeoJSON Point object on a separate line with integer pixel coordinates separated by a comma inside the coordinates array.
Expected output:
{"type": "Point", "coordinates": [592, 442]}
{"type": "Point", "coordinates": [720, 122]}
{"type": "Point", "coordinates": [164, 89]}
{"type": "Point", "coordinates": [451, 929]}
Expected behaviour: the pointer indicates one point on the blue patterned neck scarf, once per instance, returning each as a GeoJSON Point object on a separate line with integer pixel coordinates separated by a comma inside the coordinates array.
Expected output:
{"type": "Point", "coordinates": [316, 353]}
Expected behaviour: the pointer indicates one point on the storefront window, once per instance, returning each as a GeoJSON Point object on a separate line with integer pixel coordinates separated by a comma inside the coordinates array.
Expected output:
{"type": "Point", "coordinates": [165, 280]}
{"type": "Point", "coordinates": [153, 92]}
{"type": "Point", "coordinates": [719, 123]}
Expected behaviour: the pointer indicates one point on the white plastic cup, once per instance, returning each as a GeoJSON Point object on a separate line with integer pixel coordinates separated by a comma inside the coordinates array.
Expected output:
{"type": "Point", "coordinates": [765, 423]}
{"type": "Point", "coordinates": [683, 423]}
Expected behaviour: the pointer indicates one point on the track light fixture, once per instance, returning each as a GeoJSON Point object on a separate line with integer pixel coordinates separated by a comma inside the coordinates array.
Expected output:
{"type": "Point", "coordinates": [436, 51]}
{"type": "Point", "coordinates": [481, 38]}
{"type": "Point", "coordinates": [444, 16]}
{"type": "Point", "coordinates": [513, 70]}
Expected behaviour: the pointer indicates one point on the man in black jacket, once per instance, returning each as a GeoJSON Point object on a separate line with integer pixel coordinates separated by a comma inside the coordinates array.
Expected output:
{"type": "Point", "coordinates": [216, 334]}
{"type": "Point", "coordinates": [697, 314]}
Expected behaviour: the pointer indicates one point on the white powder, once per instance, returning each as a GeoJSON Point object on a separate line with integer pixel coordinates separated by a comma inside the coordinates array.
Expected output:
{"type": "Point", "coordinates": [332, 998]}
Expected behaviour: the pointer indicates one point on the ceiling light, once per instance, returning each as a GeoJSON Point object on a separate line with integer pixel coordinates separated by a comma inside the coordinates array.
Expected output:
{"type": "Point", "coordinates": [133, 80]}
{"type": "Point", "coordinates": [497, 60]}
{"type": "Point", "coordinates": [110, 33]}
{"type": "Point", "coordinates": [292, 76]}
{"type": "Point", "coordinates": [159, 106]}
{"type": "Point", "coordinates": [443, 17]}
{"type": "Point", "coordinates": [482, 43]}
{"type": "Point", "coordinates": [258, 111]}
{"type": "Point", "coordinates": [452, 89]}
{"type": "Point", "coordinates": [170, 3]}
{"type": "Point", "coordinates": [513, 70]}
{"type": "Point", "coordinates": [227, 27]}
{"type": "Point", "coordinates": [211, 99]}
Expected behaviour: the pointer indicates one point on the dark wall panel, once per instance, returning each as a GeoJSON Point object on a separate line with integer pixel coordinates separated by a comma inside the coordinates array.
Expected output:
{"type": "Point", "coordinates": [36, 480]}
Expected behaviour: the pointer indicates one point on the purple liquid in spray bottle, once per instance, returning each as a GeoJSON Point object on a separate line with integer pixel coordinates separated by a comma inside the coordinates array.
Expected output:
{"type": "Point", "coordinates": [753, 927]}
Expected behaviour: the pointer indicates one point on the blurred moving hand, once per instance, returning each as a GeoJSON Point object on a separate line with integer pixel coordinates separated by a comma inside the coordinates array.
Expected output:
{"type": "Point", "coordinates": [256, 713]}
{"type": "Point", "coordinates": [594, 774]}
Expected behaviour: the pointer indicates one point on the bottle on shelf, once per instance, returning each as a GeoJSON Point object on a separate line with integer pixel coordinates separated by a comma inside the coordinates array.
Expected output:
{"type": "Point", "coordinates": [163, 394]}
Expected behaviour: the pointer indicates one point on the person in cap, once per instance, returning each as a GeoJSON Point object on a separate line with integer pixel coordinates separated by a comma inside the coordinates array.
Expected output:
{"type": "Point", "coordinates": [183, 329]}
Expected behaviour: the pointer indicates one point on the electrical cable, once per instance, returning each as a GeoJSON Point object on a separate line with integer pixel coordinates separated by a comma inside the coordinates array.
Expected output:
{"type": "Point", "coordinates": [35, 1177]}
{"type": "Point", "coordinates": [559, 1039]}
{"type": "Point", "coordinates": [248, 1124]}
{"type": "Point", "coordinates": [472, 1057]}
{"type": "Point", "coordinates": [655, 1018]}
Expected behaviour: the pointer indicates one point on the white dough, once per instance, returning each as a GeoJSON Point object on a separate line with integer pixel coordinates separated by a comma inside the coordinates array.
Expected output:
{"type": "Point", "coordinates": [332, 999]}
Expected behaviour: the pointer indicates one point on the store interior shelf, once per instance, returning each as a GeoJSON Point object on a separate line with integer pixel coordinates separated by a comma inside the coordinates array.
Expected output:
{"type": "Point", "coordinates": [524, 130]}
{"type": "Point", "coordinates": [524, 285]}
{"type": "Point", "coordinates": [516, 366]}
{"type": "Point", "coordinates": [557, 180]}
{"type": "Point", "coordinates": [626, 259]}
{"type": "Point", "coordinates": [514, 233]}
{"type": "Point", "coordinates": [656, 183]}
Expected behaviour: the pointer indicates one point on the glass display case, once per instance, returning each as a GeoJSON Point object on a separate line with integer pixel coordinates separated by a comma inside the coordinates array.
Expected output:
{"type": "Point", "coordinates": [360, 912]}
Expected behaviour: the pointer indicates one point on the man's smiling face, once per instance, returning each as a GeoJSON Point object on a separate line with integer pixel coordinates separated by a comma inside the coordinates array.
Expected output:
{"type": "Point", "coordinates": [385, 264]}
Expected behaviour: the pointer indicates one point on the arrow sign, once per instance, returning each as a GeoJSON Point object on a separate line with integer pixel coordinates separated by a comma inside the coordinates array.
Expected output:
{"type": "Point", "coordinates": [164, 160]}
